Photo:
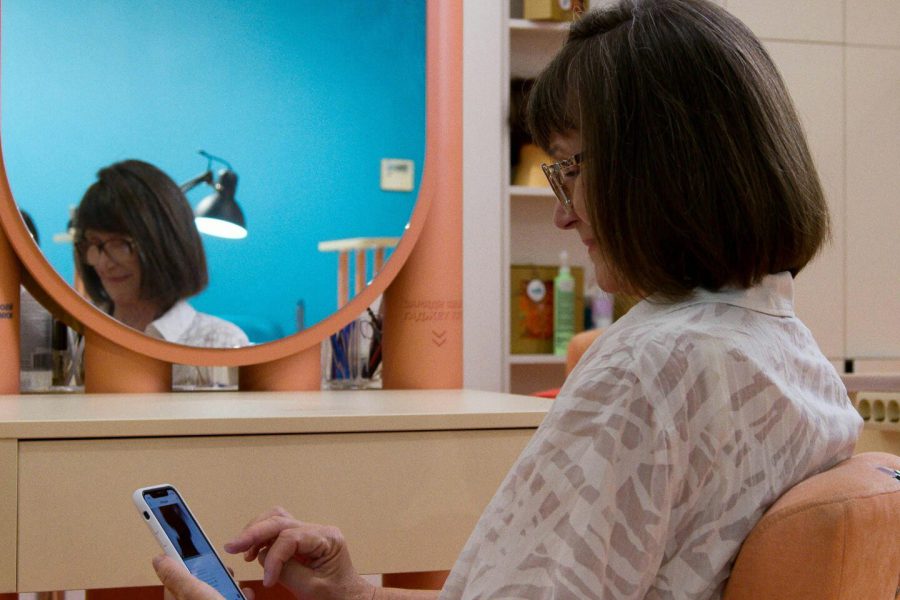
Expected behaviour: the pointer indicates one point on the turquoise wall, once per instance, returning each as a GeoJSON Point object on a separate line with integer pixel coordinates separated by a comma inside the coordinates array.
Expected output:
{"type": "Point", "coordinates": [303, 98]}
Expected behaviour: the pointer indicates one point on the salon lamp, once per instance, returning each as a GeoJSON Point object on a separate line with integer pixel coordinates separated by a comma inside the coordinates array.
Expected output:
{"type": "Point", "coordinates": [218, 214]}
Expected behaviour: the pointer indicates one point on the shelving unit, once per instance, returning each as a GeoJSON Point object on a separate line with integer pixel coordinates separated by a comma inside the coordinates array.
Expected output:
{"type": "Point", "coordinates": [532, 237]}
{"type": "Point", "coordinates": [503, 225]}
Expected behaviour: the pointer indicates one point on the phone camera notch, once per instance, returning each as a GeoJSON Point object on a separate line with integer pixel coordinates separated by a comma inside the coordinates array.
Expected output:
{"type": "Point", "coordinates": [146, 515]}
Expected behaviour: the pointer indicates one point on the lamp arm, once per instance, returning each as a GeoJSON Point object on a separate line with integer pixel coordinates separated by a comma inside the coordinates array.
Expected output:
{"type": "Point", "coordinates": [212, 158]}
{"type": "Point", "coordinates": [205, 177]}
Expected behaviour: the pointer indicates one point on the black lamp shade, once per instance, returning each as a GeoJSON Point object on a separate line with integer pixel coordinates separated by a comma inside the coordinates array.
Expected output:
{"type": "Point", "coordinates": [219, 214]}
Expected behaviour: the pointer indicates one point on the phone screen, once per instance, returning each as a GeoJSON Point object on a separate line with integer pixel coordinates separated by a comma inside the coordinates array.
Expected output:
{"type": "Point", "coordinates": [195, 550]}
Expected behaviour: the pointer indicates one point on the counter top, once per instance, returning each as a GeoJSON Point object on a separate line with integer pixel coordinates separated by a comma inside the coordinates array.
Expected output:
{"type": "Point", "coordinates": [61, 416]}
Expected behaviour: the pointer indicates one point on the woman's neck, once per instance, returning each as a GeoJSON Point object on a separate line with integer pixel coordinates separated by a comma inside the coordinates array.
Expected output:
{"type": "Point", "coordinates": [137, 315]}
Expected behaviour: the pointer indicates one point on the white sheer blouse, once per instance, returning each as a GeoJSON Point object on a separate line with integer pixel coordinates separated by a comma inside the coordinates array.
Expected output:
{"type": "Point", "coordinates": [679, 426]}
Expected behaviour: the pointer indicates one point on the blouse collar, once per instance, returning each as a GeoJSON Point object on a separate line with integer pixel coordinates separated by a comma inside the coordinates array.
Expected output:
{"type": "Point", "coordinates": [774, 295]}
{"type": "Point", "coordinates": [172, 325]}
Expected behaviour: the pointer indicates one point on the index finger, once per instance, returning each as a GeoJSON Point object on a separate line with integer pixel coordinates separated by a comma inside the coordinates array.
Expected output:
{"type": "Point", "coordinates": [260, 533]}
{"type": "Point", "coordinates": [253, 551]}
{"type": "Point", "coordinates": [275, 511]}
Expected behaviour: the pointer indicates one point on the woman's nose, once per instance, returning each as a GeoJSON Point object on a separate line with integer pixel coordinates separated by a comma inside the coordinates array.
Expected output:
{"type": "Point", "coordinates": [564, 218]}
{"type": "Point", "coordinates": [103, 261]}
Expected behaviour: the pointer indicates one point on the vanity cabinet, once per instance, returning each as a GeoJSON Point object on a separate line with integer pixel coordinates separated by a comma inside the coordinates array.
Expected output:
{"type": "Point", "coordinates": [404, 474]}
{"type": "Point", "coordinates": [841, 62]}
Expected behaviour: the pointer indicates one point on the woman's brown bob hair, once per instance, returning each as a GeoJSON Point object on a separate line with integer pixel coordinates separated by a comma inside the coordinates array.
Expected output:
{"type": "Point", "coordinates": [696, 169]}
{"type": "Point", "coordinates": [137, 200]}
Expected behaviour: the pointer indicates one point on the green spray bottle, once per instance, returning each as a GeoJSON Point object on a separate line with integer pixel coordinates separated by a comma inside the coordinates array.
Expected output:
{"type": "Point", "coordinates": [563, 306]}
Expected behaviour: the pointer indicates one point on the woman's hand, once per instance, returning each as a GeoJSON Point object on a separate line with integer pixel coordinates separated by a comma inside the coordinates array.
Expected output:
{"type": "Point", "coordinates": [181, 585]}
{"type": "Point", "coordinates": [310, 560]}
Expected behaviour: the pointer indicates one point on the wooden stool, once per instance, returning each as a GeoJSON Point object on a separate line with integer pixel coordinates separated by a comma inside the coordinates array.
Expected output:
{"type": "Point", "coordinates": [360, 248]}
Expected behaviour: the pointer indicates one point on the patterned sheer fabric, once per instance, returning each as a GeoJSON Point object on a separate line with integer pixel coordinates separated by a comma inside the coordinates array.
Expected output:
{"type": "Point", "coordinates": [676, 430]}
{"type": "Point", "coordinates": [181, 324]}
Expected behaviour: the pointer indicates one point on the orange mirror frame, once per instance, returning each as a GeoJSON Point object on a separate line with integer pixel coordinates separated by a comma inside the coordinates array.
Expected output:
{"type": "Point", "coordinates": [112, 348]}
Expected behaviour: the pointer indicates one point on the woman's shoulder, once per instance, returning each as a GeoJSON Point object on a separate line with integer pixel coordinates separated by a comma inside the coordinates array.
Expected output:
{"type": "Point", "coordinates": [639, 346]}
{"type": "Point", "coordinates": [700, 332]}
{"type": "Point", "coordinates": [710, 352]}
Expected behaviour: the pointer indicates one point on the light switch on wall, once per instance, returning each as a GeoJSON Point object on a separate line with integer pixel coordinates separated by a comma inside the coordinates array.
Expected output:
{"type": "Point", "coordinates": [397, 174]}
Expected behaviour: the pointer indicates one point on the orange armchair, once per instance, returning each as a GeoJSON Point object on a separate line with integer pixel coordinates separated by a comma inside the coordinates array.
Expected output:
{"type": "Point", "coordinates": [835, 536]}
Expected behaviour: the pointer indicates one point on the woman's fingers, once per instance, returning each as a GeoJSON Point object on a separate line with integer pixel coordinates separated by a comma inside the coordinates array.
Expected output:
{"type": "Point", "coordinates": [275, 511]}
{"type": "Point", "coordinates": [251, 551]}
{"type": "Point", "coordinates": [305, 547]}
{"type": "Point", "coordinates": [259, 534]}
{"type": "Point", "coordinates": [312, 560]}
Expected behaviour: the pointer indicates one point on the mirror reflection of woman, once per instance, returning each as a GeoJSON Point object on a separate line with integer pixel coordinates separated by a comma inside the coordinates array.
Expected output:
{"type": "Point", "coordinates": [139, 256]}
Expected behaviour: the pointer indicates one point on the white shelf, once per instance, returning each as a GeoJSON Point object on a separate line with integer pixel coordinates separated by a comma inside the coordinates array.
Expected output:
{"type": "Point", "coordinates": [536, 359]}
{"type": "Point", "coordinates": [521, 191]}
{"type": "Point", "coordinates": [549, 28]}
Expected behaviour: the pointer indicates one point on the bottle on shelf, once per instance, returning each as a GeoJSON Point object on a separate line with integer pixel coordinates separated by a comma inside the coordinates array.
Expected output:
{"type": "Point", "coordinates": [563, 306]}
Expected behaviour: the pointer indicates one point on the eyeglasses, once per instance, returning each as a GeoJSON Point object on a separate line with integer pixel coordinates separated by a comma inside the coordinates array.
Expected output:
{"type": "Point", "coordinates": [118, 250]}
{"type": "Point", "coordinates": [561, 176]}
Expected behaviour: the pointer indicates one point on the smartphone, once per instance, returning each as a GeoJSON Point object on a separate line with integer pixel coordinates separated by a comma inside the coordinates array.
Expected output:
{"type": "Point", "coordinates": [179, 534]}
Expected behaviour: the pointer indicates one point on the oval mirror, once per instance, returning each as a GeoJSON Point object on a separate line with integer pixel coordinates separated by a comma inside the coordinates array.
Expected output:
{"type": "Point", "coordinates": [302, 100]}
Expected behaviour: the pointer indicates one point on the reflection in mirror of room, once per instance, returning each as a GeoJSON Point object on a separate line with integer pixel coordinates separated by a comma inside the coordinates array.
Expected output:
{"type": "Point", "coordinates": [140, 258]}
{"type": "Point", "coordinates": [303, 107]}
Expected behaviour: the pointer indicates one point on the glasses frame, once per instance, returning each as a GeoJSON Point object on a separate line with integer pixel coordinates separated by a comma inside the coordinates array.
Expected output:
{"type": "Point", "coordinates": [555, 172]}
{"type": "Point", "coordinates": [84, 246]}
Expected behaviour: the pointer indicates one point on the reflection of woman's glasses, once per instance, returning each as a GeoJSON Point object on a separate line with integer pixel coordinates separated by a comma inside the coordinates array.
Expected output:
{"type": "Point", "coordinates": [561, 176]}
{"type": "Point", "coordinates": [118, 250]}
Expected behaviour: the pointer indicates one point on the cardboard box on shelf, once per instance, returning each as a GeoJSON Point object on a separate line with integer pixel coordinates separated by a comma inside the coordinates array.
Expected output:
{"type": "Point", "coordinates": [553, 10]}
{"type": "Point", "coordinates": [531, 307]}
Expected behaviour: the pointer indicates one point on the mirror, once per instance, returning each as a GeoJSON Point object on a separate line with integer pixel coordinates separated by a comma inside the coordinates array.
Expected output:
{"type": "Point", "coordinates": [302, 99]}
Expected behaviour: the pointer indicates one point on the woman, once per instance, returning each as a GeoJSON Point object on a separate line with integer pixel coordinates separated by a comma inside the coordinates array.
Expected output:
{"type": "Point", "coordinates": [139, 256]}
{"type": "Point", "coordinates": [684, 170]}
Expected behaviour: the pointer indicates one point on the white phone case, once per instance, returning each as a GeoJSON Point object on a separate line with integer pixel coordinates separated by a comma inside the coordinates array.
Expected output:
{"type": "Point", "coordinates": [156, 529]}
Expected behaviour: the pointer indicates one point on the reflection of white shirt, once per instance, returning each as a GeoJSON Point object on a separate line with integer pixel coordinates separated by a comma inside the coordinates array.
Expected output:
{"type": "Point", "coordinates": [678, 427]}
{"type": "Point", "coordinates": [181, 324]}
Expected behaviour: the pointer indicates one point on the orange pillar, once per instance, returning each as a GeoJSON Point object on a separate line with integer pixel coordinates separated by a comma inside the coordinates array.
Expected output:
{"type": "Point", "coordinates": [10, 317]}
{"type": "Point", "coordinates": [423, 305]}
{"type": "Point", "coordinates": [297, 372]}
{"type": "Point", "coordinates": [110, 368]}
